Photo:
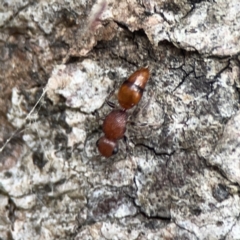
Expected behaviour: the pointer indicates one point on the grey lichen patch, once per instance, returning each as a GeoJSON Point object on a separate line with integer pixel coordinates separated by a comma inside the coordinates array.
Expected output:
{"type": "Point", "coordinates": [153, 187]}
{"type": "Point", "coordinates": [52, 213]}
{"type": "Point", "coordinates": [205, 26]}
{"type": "Point", "coordinates": [5, 213]}
{"type": "Point", "coordinates": [10, 8]}
{"type": "Point", "coordinates": [234, 231]}
{"type": "Point", "coordinates": [192, 107]}
{"type": "Point", "coordinates": [121, 173]}
{"type": "Point", "coordinates": [136, 230]}
{"type": "Point", "coordinates": [209, 29]}
{"type": "Point", "coordinates": [11, 151]}
{"type": "Point", "coordinates": [209, 212]}
{"type": "Point", "coordinates": [105, 203]}
{"type": "Point", "coordinates": [84, 85]}
{"type": "Point", "coordinates": [49, 192]}
{"type": "Point", "coordinates": [226, 155]}
{"type": "Point", "coordinates": [179, 22]}
{"type": "Point", "coordinates": [49, 184]}
{"type": "Point", "coordinates": [163, 179]}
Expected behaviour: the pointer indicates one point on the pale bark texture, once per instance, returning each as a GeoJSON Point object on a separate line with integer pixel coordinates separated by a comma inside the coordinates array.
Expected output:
{"type": "Point", "coordinates": [177, 172]}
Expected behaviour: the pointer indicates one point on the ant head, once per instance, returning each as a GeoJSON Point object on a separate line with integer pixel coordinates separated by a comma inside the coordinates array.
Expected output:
{"type": "Point", "coordinates": [107, 147]}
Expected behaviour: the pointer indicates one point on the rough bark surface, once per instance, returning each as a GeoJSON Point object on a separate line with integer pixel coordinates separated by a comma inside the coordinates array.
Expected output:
{"type": "Point", "coordinates": [178, 174]}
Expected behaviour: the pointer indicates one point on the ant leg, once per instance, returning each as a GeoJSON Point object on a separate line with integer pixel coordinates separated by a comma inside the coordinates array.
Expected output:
{"type": "Point", "coordinates": [125, 139]}
{"type": "Point", "coordinates": [109, 103]}
{"type": "Point", "coordinates": [144, 112]}
{"type": "Point", "coordinates": [109, 96]}
{"type": "Point", "coordinates": [98, 118]}
{"type": "Point", "coordinates": [145, 107]}
{"type": "Point", "coordinates": [137, 124]}
{"type": "Point", "coordinates": [127, 145]}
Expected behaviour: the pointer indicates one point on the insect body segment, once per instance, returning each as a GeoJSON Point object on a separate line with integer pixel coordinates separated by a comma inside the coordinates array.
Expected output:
{"type": "Point", "coordinates": [130, 93]}
{"type": "Point", "coordinates": [114, 125]}
{"type": "Point", "coordinates": [107, 147]}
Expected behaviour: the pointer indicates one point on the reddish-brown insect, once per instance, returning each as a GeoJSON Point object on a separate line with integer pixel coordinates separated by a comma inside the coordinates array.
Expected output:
{"type": "Point", "coordinates": [114, 125]}
{"type": "Point", "coordinates": [107, 147]}
{"type": "Point", "coordinates": [130, 93]}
